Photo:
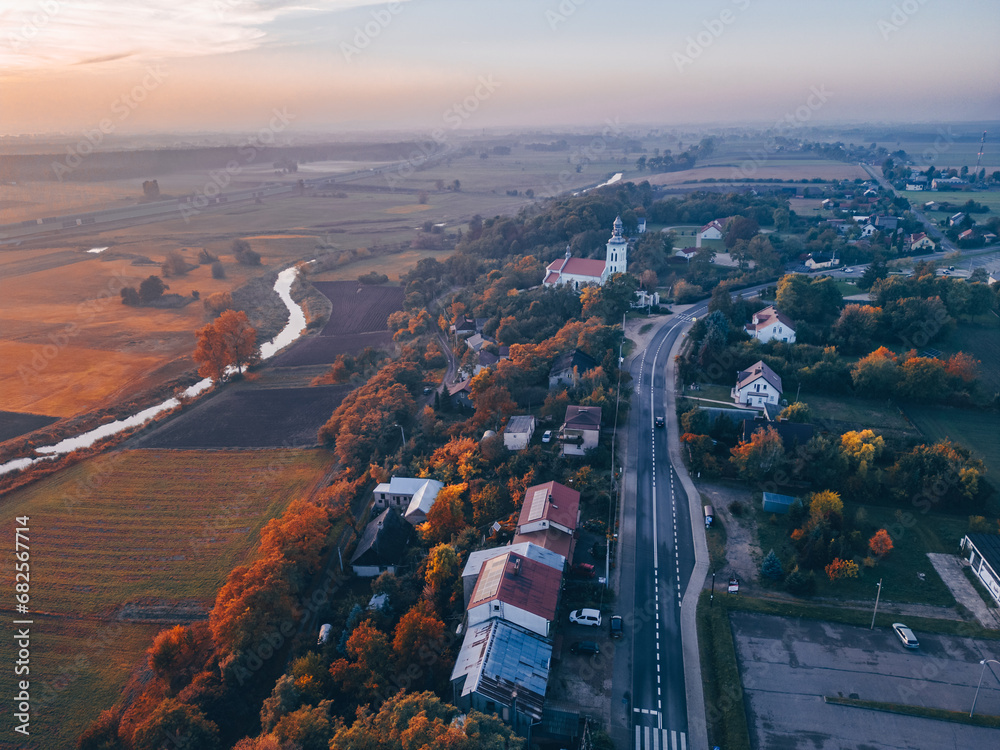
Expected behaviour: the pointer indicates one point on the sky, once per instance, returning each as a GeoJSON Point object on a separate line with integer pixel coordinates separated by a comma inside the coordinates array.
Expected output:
{"type": "Point", "coordinates": [72, 66]}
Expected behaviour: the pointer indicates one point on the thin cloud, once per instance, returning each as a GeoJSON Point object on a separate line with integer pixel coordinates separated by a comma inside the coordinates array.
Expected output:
{"type": "Point", "coordinates": [55, 34]}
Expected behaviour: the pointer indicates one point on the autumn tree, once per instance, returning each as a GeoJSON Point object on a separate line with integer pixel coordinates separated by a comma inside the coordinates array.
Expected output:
{"type": "Point", "coordinates": [880, 544]}
{"type": "Point", "coordinates": [306, 728]}
{"type": "Point", "coordinates": [861, 448]}
{"type": "Point", "coordinates": [839, 569]}
{"type": "Point", "coordinates": [177, 655]}
{"type": "Point", "coordinates": [420, 639]}
{"type": "Point", "coordinates": [698, 449]}
{"type": "Point", "coordinates": [446, 516]}
{"type": "Point", "coordinates": [441, 570]}
{"type": "Point", "coordinates": [174, 264]}
{"type": "Point", "coordinates": [228, 342]}
{"type": "Point", "coordinates": [761, 456]}
{"type": "Point", "coordinates": [876, 375]}
{"type": "Point", "coordinates": [365, 670]}
{"type": "Point", "coordinates": [796, 412]}
{"type": "Point", "coordinates": [184, 722]}
{"type": "Point", "coordinates": [826, 507]}
{"type": "Point", "coordinates": [963, 367]}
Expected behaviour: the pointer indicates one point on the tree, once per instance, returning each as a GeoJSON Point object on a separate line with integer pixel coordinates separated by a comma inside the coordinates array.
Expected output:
{"type": "Point", "coordinates": [306, 728]}
{"type": "Point", "coordinates": [739, 228]}
{"type": "Point", "coordinates": [446, 516]}
{"type": "Point", "coordinates": [963, 367]}
{"type": "Point", "coordinates": [151, 289]}
{"type": "Point", "coordinates": [365, 670]}
{"type": "Point", "coordinates": [861, 449]}
{"type": "Point", "coordinates": [880, 544]}
{"type": "Point", "coordinates": [442, 567]}
{"type": "Point", "coordinates": [228, 342]}
{"type": "Point", "coordinates": [102, 734]}
{"type": "Point", "coordinates": [218, 270]}
{"type": "Point", "coordinates": [796, 412]}
{"type": "Point", "coordinates": [876, 375]}
{"type": "Point", "coordinates": [699, 452]}
{"type": "Point", "coordinates": [176, 656]}
{"type": "Point", "coordinates": [825, 507]}
{"type": "Point", "coordinates": [758, 458]}
{"type": "Point", "coordinates": [771, 567]}
{"type": "Point", "coordinates": [174, 264]}
{"type": "Point", "coordinates": [151, 189]}
{"type": "Point", "coordinates": [924, 378]}
{"type": "Point", "coordinates": [130, 296]}
{"type": "Point", "coordinates": [839, 569]}
{"type": "Point", "coordinates": [184, 723]}
{"type": "Point", "coordinates": [420, 639]}
{"type": "Point", "coordinates": [243, 254]}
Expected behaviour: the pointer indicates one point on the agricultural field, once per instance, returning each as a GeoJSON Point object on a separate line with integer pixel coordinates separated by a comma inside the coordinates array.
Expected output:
{"type": "Point", "coordinates": [324, 350]}
{"type": "Point", "coordinates": [990, 198]}
{"type": "Point", "coordinates": [243, 416]}
{"type": "Point", "coordinates": [981, 339]}
{"type": "Point", "coordinates": [14, 423]}
{"type": "Point", "coordinates": [359, 308]}
{"type": "Point", "coordinates": [975, 430]}
{"type": "Point", "coordinates": [127, 542]}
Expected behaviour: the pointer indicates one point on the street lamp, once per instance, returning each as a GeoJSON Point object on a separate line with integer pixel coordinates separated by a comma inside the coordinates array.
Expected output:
{"type": "Point", "coordinates": [877, 595]}
{"type": "Point", "coordinates": [982, 674]}
{"type": "Point", "coordinates": [403, 434]}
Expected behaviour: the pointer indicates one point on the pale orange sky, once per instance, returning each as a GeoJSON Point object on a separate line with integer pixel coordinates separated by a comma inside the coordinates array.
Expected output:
{"type": "Point", "coordinates": [163, 65]}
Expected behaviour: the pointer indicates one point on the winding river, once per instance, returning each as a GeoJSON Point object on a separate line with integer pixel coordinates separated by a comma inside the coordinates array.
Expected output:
{"type": "Point", "coordinates": [292, 330]}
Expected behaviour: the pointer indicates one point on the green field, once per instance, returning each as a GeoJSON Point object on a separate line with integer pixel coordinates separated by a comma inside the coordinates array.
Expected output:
{"type": "Point", "coordinates": [976, 430]}
{"type": "Point", "coordinates": [125, 544]}
{"type": "Point", "coordinates": [857, 413]}
{"type": "Point", "coordinates": [989, 198]}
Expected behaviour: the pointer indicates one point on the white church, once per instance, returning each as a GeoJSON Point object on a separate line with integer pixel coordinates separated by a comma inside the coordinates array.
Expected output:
{"type": "Point", "coordinates": [579, 272]}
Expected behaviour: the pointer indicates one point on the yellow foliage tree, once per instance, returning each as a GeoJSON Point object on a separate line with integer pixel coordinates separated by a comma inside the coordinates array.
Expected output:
{"type": "Point", "coordinates": [825, 506]}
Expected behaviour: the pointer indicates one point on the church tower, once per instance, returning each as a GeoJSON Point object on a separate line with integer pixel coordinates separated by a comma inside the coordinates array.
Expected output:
{"type": "Point", "coordinates": [617, 258]}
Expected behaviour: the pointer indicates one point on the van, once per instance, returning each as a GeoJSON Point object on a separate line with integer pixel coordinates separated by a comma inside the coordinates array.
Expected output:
{"type": "Point", "coordinates": [590, 617]}
{"type": "Point", "coordinates": [709, 515]}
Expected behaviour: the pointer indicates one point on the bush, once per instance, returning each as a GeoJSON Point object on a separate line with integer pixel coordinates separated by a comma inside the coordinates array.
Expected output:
{"type": "Point", "coordinates": [736, 508]}
{"type": "Point", "coordinates": [206, 257]}
{"type": "Point", "coordinates": [373, 277]}
{"type": "Point", "coordinates": [800, 584]}
{"type": "Point", "coordinates": [244, 255]}
{"type": "Point", "coordinates": [218, 302]}
{"type": "Point", "coordinates": [218, 271]}
{"type": "Point", "coordinates": [174, 264]}
{"type": "Point", "coordinates": [130, 296]}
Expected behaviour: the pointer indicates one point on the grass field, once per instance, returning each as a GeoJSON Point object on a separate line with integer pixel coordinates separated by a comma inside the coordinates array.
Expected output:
{"type": "Point", "coordinates": [898, 571]}
{"type": "Point", "coordinates": [123, 545]}
{"type": "Point", "coordinates": [990, 198]}
{"type": "Point", "coordinates": [857, 413]}
{"type": "Point", "coordinates": [981, 339]}
{"type": "Point", "coordinates": [976, 430]}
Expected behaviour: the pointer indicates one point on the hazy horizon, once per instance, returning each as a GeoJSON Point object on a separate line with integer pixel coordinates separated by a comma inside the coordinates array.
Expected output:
{"type": "Point", "coordinates": [216, 66]}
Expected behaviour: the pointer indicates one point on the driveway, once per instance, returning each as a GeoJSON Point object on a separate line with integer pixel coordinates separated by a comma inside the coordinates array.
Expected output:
{"type": "Point", "coordinates": [787, 667]}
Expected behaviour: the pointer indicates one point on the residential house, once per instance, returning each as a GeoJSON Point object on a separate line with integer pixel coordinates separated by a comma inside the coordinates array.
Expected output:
{"type": "Point", "coordinates": [920, 241]}
{"type": "Point", "coordinates": [568, 367]}
{"type": "Point", "coordinates": [868, 230]}
{"type": "Point", "coordinates": [549, 516]}
{"type": "Point", "coordinates": [466, 326]}
{"type": "Point", "coordinates": [757, 386]}
{"type": "Point", "coordinates": [412, 497]}
{"type": "Point", "coordinates": [983, 554]}
{"type": "Point", "coordinates": [581, 430]}
{"type": "Point", "coordinates": [711, 231]}
{"type": "Point", "coordinates": [461, 394]}
{"type": "Point", "coordinates": [516, 589]}
{"type": "Point", "coordinates": [640, 226]}
{"type": "Point", "coordinates": [886, 224]}
{"type": "Point", "coordinates": [968, 234]}
{"type": "Point", "coordinates": [815, 261]}
{"type": "Point", "coordinates": [931, 206]}
{"type": "Point", "coordinates": [503, 669]}
{"type": "Point", "coordinates": [477, 341]}
{"type": "Point", "coordinates": [947, 182]}
{"type": "Point", "coordinates": [955, 220]}
{"type": "Point", "coordinates": [580, 272]}
{"type": "Point", "coordinates": [382, 545]}
{"type": "Point", "coordinates": [687, 253]}
{"type": "Point", "coordinates": [470, 573]}
{"type": "Point", "coordinates": [517, 434]}
{"type": "Point", "coordinates": [769, 324]}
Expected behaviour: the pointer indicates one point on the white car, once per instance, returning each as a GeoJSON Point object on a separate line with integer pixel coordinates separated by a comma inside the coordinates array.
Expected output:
{"type": "Point", "coordinates": [905, 635]}
{"type": "Point", "coordinates": [590, 617]}
{"type": "Point", "coordinates": [848, 270]}
{"type": "Point", "coordinates": [547, 436]}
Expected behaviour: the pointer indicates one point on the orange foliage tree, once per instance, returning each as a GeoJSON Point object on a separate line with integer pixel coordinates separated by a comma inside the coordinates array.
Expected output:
{"type": "Point", "coordinates": [365, 670]}
{"type": "Point", "coordinates": [881, 543]}
{"type": "Point", "coordinates": [228, 342]}
{"type": "Point", "coordinates": [446, 516]}
{"type": "Point", "coordinates": [841, 569]}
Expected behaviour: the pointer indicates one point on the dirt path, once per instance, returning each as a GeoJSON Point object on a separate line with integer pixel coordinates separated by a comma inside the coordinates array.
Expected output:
{"type": "Point", "coordinates": [743, 556]}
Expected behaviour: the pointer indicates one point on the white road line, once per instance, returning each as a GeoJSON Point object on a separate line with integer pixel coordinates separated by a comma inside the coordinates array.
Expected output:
{"type": "Point", "coordinates": [645, 732]}
{"type": "Point", "coordinates": [638, 739]}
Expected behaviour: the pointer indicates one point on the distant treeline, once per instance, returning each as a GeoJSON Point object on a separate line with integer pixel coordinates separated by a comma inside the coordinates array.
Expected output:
{"type": "Point", "coordinates": [113, 165]}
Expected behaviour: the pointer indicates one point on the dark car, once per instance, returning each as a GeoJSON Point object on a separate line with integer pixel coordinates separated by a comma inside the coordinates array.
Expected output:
{"type": "Point", "coordinates": [585, 648]}
{"type": "Point", "coordinates": [660, 422]}
{"type": "Point", "coordinates": [617, 626]}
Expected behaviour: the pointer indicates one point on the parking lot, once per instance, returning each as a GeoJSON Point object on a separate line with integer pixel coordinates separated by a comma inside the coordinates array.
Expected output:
{"type": "Point", "coordinates": [787, 666]}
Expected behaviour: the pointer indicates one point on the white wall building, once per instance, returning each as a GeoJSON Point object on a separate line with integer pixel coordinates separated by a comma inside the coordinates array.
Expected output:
{"type": "Point", "coordinates": [517, 434]}
{"type": "Point", "coordinates": [757, 386]}
{"type": "Point", "coordinates": [411, 497]}
{"type": "Point", "coordinates": [769, 324]}
{"type": "Point", "coordinates": [579, 272]}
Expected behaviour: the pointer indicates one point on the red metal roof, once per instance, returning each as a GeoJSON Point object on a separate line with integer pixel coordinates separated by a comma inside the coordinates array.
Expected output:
{"type": "Point", "coordinates": [520, 582]}
{"type": "Point", "coordinates": [560, 504]}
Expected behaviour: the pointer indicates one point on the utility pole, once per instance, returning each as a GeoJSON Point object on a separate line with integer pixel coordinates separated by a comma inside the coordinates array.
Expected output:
{"type": "Point", "coordinates": [877, 595]}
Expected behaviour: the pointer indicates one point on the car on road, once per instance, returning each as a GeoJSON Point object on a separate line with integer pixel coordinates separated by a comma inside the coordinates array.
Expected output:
{"type": "Point", "coordinates": [660, 422]}
{"type": "Point", "coordinates": [585, 648]}
{"type": "Point", "coordinates": [617, 626]}
{"type": "Point", "coordinates": [589, 617]}
{"type": "Point", "coordinates": [547, 436]}
{"type": "Point", "coordinates": [905, 635]}
{"type": "Point", "coordinates": [428, 390]}
{"type": "Point", "coordinates": [848, 270]}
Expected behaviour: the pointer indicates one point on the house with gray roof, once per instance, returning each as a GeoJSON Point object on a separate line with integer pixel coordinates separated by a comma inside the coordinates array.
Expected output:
{"type": "Point", "coordinates": [382, 545]}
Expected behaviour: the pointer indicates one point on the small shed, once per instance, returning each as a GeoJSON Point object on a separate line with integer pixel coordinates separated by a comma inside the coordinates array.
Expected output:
{"type": "Point", "coordinates": [774, 503]}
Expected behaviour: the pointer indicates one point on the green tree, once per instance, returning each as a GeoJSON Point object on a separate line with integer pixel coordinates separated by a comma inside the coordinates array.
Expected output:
{"type": "Point", "coordinates": [771, 567]}
{"type": "Point", "coordinates": [151, 289]}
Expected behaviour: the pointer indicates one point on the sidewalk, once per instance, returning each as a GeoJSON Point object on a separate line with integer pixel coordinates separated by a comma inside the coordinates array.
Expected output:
{"type": "Point", "coordinates": [950, 569]}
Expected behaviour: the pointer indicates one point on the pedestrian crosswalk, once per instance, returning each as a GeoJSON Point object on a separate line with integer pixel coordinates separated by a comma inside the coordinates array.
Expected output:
{"type": "Point", "coordinates": [684, 317]}
{"type": "Point", "coordinates": [655, 738]}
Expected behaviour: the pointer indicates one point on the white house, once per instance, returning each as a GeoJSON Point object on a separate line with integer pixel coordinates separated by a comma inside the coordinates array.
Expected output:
{"type": "Point", "coordinates": [470, 573]}
{"type": "Point", "coordinates": [711, 231]}
{"type": "Point", "coordinates": [757, 386]}
{"type": "Point", "coordinates": [581, 430]}
{"type": "Point", "coordinates": [516, 589]}
{"type": "Point", "coordinates": [687, 253]}
{"type": "Point", "coordinates": [415, 495]}
{"type": "Point", "coordinates": [868, 230]}
{"type": "Point", "coordinates": [517, 434]}
{"type": "Point", "coordinates": [819, 260]}
{"type": "Point", "coordinates": [983, 554]}
{"type": "Point", "coordinates": [640, 226]}
{"type": "Point", "coordinates": [921, 241]}
{"type": "Point", "coordinates": [769, 324]}
{"type": "Point", "coordinates": [580, 272]}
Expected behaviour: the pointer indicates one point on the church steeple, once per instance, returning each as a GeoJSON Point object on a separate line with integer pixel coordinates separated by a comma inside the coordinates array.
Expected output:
{"type": "Point", "coordinates": [617, 256]}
